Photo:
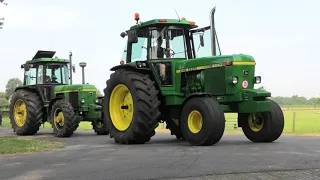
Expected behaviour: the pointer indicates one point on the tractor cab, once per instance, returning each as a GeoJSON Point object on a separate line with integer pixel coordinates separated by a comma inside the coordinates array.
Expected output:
{"type": "Point", "coordinates": [160, 43]}
{"type": "Point", "coordinates": [44, 69]}
{"type": "Point", "coordinates": [169, 39]}
{"type": "Point", "coordinates": [44, 72]}
{"type": "Point", "coordinates": [158, 39]}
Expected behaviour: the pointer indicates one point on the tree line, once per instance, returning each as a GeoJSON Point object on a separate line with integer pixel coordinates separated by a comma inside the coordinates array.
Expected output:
{"type": "Point", "coordinates": [295, 100]}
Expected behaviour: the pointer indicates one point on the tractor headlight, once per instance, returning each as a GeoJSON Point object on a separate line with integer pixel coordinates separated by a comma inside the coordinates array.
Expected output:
{"type": "Point", "coordinates": [234, 80]}
{"type": "Point", "coordinates": [97, 101]}
{"type": "Point", "coordinates": [141, 64]}
{"type": "Point", "coordinates": [257, 79]}
{"type": "Point", "coordinates": [83, 101]}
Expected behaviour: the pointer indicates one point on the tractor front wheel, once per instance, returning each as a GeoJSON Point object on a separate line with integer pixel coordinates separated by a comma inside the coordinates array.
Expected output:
{"type": "Point", "coordinates": [99, 127]}
{"type": "Point", "coordinates": [265, 126]}
{"type": "Point", "coordinates": [63, 118]}
{"type": "Point", "coordinates": [131, 107]}
{"type": "Point", "coordinates": [25, 112]}
{"type": "Point", "coordinates": [202, 121]}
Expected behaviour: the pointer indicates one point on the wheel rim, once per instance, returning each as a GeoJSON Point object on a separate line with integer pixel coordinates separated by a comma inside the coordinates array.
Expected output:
{"type": "Point", "coordinates": [58, 119]}
{"type": "Point", "coordinates": [121, 107]}
{"type": "Point", "coordinates": [195, 121]}
{"type": "Point", "coordinates": [256, 122]}
{"type": "Point", "coordinates": [99, 124]}
{"type": "Point", "coordinates": [20, 113]}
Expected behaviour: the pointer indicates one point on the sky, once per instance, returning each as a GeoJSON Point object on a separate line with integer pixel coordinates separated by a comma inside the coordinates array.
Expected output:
{"type": "Point", "coordinates": [283, 36]}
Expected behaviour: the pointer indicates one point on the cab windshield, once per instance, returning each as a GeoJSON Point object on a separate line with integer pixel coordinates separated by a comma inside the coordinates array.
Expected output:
{"type": "Point", "coordinates": [53, 73]}
{"type": "Point", "coordinates": [158, 43]}
{"type": "Point", "coordinates": [204, 50]}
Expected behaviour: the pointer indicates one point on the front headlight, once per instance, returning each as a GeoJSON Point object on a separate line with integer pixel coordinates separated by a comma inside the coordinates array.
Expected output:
{"type": "Point", "coordinates": [234, 80]}
{"type": "Point", "coordinates": [97, 101]}
{"type": "Point", "coordinates": [257, 79]}
{"type": "Point", "coordinates": [83, 101]}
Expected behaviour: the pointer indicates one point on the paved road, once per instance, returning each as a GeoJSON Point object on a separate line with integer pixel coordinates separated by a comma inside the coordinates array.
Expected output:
{"type": "Point", "coordinates": [89, 156]}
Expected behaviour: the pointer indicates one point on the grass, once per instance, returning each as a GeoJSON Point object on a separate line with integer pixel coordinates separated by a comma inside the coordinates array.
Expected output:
{"type": "Point", "coordinates": [307, 121]}
{"type": "Point", "coordinates": [10, 145]}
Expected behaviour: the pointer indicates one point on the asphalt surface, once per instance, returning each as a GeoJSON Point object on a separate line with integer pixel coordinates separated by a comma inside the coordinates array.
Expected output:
{"type": "Point", "coordinates": [89, 156]}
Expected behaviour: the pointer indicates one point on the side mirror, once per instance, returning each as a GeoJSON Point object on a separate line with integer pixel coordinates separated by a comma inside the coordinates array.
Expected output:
{"type": "Point", "coordinates": [26, 67]}
{"type": "Point", "coordinates": [74, 68]}
{"type": "Point", "coordinates": [132, 37]}
{"type": "Point", "coordinates": [123, 34]}
{"type": "Point", "coordinates": [201, 40]}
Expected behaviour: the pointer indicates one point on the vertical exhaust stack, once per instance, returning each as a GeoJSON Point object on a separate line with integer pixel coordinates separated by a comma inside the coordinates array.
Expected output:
{"type": "Point", "coordinates": [71, 69]}
{"type": "Point", "coordinates": [213, 32]}
{"type": "Point", "coordinates": [83, 65]}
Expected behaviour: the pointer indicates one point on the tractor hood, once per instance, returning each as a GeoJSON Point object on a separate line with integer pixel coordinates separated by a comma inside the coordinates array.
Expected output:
{"type": "Point", "coordinates": [212, 62]}
{"type": "Point", "coordinates": [75, 88]}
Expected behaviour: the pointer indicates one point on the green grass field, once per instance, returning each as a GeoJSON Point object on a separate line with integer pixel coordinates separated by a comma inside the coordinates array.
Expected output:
{"type": "Point", "coordinates": [307, 122]}
{"type": "Point", "coordinates": [23, 145]}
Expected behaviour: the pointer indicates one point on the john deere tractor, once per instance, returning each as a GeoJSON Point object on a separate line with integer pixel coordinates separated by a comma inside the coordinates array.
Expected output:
{"type": "Point", "coordinates": [47, 94]}
{"type": "Point", "coordinates": [173, 71]}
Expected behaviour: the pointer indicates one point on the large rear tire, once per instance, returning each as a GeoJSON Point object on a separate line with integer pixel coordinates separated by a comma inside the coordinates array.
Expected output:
{"type": "Point", "coordinates": [131, 107]}
{"type": "Point", "coordinates": [265, 127]}
{"type": "Point", "coordinates": [25, 112]}
{"type": "Point", "coordinates": [202, 121]}
{"type": "Point", "coordinates": [63, 118]}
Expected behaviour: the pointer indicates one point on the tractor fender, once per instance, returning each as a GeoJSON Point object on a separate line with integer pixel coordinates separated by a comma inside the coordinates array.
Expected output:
{"type": "Point", "coordinates": [58, 97]}
{"type": "Point", "coordinates": [197, 94]}
{"type": "Point", "coordinates": [130, 67]}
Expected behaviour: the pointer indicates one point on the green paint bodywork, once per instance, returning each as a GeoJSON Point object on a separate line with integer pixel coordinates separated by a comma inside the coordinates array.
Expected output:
{"type": "Point", "coordinates": [215, 79]}
{"type": "Point", "coordinates": [88, 93]}
{"type": "Point", "coordinates": [211, 75]}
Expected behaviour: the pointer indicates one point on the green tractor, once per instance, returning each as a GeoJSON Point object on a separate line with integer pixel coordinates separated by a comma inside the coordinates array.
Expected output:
{"type": "Point", "coordinates": [173, 72]}
{"type": "Point", "coordinates": [48, 95]}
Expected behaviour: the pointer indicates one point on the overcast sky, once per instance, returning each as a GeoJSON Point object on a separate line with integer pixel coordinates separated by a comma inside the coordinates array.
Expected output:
{"type": "Point", "coordinates": [283, 36]}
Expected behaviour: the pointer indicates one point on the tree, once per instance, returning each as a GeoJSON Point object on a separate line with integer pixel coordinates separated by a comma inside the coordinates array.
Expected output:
{"type": "Point", "coordinates": [3, 2]}
{"type": "Point", "coordinates": [11, 86]}
{"type": "Point", "coordinates": [2, 19]}
{"type": "Point", "coordinates": [4, 103]}
{"type": "Point", "coordinates": [2, 95]}
{"type": "Point", "coordinates": [98, 93]}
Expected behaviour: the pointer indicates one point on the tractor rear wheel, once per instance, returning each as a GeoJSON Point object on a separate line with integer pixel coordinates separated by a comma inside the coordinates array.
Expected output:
{"type": "Point", "coordinates": [25, 112]}
{"type": "Point", "coordinates": [263, 127]}
{"type": "Point", "coordinates": [202, 121]}
{"type": "Point", "coordinates": [63, 118]}
{"type": "Point", "coordinates": [131, 107]}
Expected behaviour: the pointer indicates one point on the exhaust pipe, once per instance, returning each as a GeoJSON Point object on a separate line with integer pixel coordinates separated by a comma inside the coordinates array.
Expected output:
{"type": "Point", "coordinates": [83, 65]}
{"type": "Point", "coordinates": [71, 69]}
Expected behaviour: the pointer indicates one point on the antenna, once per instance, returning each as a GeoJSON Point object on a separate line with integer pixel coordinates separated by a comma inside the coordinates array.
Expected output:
{"type": "Point", "coordinates": [177, 14]}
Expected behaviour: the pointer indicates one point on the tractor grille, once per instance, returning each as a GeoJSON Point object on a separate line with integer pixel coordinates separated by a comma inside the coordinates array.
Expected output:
{"type": "Point", "coordinates": [74, 98]}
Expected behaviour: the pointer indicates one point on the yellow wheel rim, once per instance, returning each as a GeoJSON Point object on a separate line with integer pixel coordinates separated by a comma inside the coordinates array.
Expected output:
{"type": "Point", "coordinates": [121, 107]}
{"type": "Point", "coordinates": [20, 113]}
{"type": "Point", "coordinates": [255, 123]}
{"type": "Point", "coordinates": [195, 121]}
{"type": "Point", "coordinates": [58, 119]}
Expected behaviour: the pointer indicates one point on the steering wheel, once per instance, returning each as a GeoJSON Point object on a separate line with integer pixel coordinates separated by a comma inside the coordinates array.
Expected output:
{"type": "Point", "coordinates": [170, 54]}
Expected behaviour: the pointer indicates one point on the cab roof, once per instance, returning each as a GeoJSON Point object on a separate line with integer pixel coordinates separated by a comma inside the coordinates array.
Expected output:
{"type": "Point", "coordinates": [157, 22]}
{"type": "Point", "coordinates": [46, 57]}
